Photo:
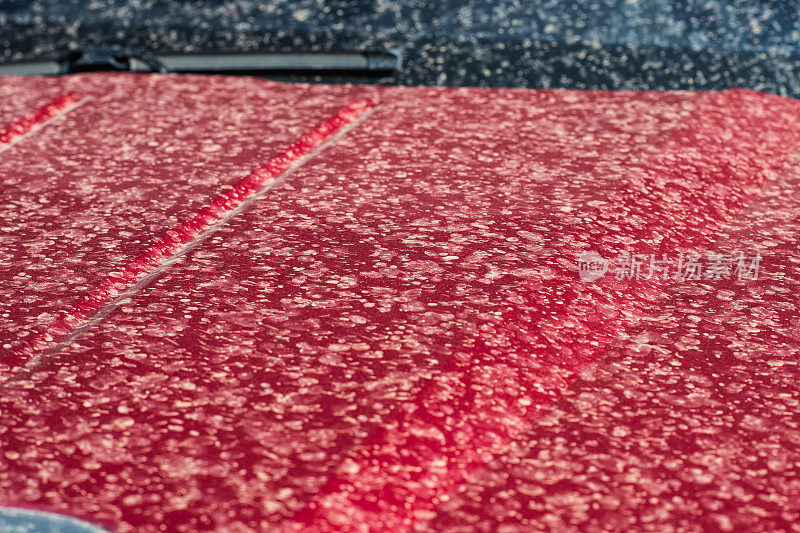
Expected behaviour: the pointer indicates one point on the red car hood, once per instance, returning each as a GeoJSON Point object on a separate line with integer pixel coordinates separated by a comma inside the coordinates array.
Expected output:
{"type": "Point", "coordinates": [237, 305]}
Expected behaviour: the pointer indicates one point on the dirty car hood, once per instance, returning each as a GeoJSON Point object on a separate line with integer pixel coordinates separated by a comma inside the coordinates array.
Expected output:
{"type": "Point", "coordinates": [235, 304]}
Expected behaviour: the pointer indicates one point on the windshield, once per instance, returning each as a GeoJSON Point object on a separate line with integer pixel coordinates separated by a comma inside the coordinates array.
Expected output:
{"type": "Point", "coordinates": [595, 44]}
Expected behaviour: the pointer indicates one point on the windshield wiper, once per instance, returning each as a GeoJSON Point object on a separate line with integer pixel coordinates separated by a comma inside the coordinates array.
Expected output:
{"type": "Point", "coordinates": [123, 60]}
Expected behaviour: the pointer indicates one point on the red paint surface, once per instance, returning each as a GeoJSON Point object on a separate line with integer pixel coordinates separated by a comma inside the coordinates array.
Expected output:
{"type": "Point", "coordinates": [11, 132]}
{"type": "Point", "coordinates": [563, 322]}
{"type": "Point", "coordinates": [390, 322]}
{"type": "Point", "coordinates": [690, 422]}
{"type": "Point", "coordinates": [85, 195]}
{"type": "Point", "coordinates": [180, 235]}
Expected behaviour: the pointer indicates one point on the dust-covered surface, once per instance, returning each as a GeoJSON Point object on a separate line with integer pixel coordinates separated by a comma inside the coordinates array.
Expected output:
{"type": "Point", "coordinates": [606, 44]}
{"type": "Point", "coordinates": [396, 336]}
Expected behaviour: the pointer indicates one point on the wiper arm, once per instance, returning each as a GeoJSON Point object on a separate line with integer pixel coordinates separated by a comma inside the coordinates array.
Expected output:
{"type": "Point", "coordinates": [119, 59]}
{"type": "Point", "coordinates": [87, 60]}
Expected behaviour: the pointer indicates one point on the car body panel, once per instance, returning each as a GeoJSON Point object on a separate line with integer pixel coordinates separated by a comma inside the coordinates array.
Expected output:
{"type": "Point", "coordinates": [395, 335]}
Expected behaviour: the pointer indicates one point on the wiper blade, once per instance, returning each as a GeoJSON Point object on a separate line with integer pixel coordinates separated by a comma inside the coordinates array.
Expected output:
{"type": "Point", "coordinates": [118, 59]}
{"type": "Point", "coordinates": [291, 61]}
